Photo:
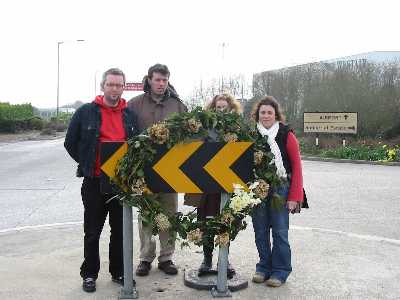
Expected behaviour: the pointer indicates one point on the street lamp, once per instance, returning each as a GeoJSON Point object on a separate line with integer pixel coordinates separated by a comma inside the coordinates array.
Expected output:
{"type": "Point", "coordinates": [58, 73]}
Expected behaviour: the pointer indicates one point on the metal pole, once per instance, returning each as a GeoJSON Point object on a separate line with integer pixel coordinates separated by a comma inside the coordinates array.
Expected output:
{"type": "Point", "coordinates": [95, 84]}
{"type": "Point", "coordinates": [58, 74]}
{"type": "Point", "coordinates": [58, 77]}
{"type": "Point", "coordinates": [222, 282]}
{"type": "Point", "coordinates": [128, 291]}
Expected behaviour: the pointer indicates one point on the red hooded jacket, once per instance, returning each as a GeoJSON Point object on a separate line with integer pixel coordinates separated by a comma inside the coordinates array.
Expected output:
{"type": "Point", "coordinates": [112, 126]}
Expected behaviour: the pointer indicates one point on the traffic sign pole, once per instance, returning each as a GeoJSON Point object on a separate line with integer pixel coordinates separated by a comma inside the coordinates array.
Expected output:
{"type": "Point", "coordinates": [222, 281]}
{"type": "Point", "coordinates": [128, 291]}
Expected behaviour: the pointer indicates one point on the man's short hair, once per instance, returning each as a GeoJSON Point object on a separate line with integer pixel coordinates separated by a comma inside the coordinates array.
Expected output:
{"type": "Point", "coordinates": [112, 71]}
{"type": "Point", "coordinates": [158, 68]}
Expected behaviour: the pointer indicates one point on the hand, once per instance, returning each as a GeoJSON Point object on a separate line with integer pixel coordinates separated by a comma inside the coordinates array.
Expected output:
{"type": "Point", "coordinates": [291, 205]}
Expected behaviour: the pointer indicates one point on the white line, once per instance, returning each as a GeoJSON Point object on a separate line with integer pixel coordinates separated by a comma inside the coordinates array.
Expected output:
{"type": "Point", "coordinates": [42, 226]}
{"type": "Point", "coordinates": [304, 228]}
{"type": "Point", "coordinates": [350, 234]}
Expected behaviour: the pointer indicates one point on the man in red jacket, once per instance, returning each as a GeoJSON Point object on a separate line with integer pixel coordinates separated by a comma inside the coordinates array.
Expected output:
{"type": "Point", "coordinates": [106, 119]}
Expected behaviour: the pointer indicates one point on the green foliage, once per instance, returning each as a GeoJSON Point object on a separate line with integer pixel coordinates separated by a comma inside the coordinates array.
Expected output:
{"type": "Point", "coordinates": [15, 112]}
{"type": "Point", "coordinates": [184, 128]}
{"type": "Point", "coordinates": [356, 153]}
{"type": "Point", "coordinates": [15, 117]}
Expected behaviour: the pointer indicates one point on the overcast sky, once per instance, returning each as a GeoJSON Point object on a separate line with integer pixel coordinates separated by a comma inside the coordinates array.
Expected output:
{"type": "Point", "coordinates": [185, 35]}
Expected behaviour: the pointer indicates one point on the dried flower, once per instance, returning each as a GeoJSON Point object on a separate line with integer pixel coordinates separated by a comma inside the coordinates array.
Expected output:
{"type": "Point", "coordinates": [222, 239]}
{"type": "Point", "coordinates": [227, 218]}
{"type": "Point", "coordinates": [162, 222]}
{"type": "Point", "coordinates": [261, 190]}
{"type": "Point", "coordinates": [193, 125]}
{"type": "Point", "coordinates": [230, 137]}
{"type": "Point", "coordinates": [138, 186]}
{"type": "Point", "coordinates": [258, 156]}
{"type": "Point", "coordinates": [195, 236]}
{"type": "Point", "coordinates": [159, 133]}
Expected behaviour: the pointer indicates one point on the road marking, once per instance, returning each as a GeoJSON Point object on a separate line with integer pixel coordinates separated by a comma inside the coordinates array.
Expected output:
{"type": "Point", "coordinates": [303, 228]}
{"type": "Point", "coordinates": [350, 234]}
{"type": "Point", "coordinates": [43, 226]}
{"type": "Point", "coordinates": [33, 189]}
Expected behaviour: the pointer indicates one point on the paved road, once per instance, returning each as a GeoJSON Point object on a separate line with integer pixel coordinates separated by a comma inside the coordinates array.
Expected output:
{"type": "Point", "coordinates": [38, 186]}
{"type": "Point", "coordinates": [346, 246]}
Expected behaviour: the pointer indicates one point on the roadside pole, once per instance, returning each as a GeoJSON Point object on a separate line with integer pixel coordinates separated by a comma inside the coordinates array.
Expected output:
{"type": "Point", "coordinates": [222, 286]}
{"type": "Point", "coordinates": [128, 291]}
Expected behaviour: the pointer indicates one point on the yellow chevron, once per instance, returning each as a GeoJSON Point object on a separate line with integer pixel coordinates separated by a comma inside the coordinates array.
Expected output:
{"type": "Point", "coordinates": [109, 166]}
{"type": "Point", "coordinates": [168, 167]}
{"type": "Point", "coordinates": [219, 166]}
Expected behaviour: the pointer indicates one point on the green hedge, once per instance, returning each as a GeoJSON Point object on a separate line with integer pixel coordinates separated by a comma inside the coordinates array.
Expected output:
{"type": "Point", "coordinates": [17, 117]}
{"type": "Point", "coordinates": [15, 111]}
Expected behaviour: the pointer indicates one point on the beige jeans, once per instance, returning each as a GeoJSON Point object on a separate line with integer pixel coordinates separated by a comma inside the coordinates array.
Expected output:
{"type": "Point", "coordinates": [147, 241]}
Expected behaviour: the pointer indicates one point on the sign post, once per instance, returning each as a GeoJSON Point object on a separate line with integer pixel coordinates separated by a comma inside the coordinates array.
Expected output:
{"type": "Point", "coordinates": [221, 289]}
{"type": "Point", "coordinates": [128, 291]}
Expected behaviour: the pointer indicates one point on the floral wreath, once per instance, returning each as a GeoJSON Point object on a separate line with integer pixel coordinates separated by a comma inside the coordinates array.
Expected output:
{"type": "Point", "coordinates": [184, 128]}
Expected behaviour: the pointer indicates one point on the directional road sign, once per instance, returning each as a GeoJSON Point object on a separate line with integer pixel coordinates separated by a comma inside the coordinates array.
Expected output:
{"type": "Point", "coordinates": [330, 122]}
{"type": "Point", "coordinates": [197, 167]}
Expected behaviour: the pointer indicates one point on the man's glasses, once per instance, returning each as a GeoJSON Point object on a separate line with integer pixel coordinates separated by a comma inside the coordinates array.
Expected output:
{"type": "Point", "coordinates": [116, 85]}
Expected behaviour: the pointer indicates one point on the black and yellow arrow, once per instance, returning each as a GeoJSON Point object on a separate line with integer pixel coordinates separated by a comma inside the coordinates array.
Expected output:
{"type": "Point", "coordinates": [219, 167]}
{"type": "Point", "coordinates": [168, 167]}
{"type": "Point", "coordinates": [110, 154]}
{"type": "Point", "coordinates": [197, 167]}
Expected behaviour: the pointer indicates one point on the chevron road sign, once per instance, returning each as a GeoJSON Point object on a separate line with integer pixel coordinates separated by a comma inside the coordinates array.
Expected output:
{"type": "Point", "coordinates": [197, 167]}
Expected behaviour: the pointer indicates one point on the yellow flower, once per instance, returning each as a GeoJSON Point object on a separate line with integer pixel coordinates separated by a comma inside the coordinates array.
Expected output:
{"type": "Point", "coordinates": [261, 190]}
{"type": "Point", "coordinates": [159, 133]}
{"type": "Point", "coordinates": [138, 186]}
{"type": "Point", "coordinates": [227, 218]}
{"type": "Point", "coordinates": [230, 137]}
{"type": "Point", "coordinates": [258, 156]}
{"type": "Point", "coordinates": [391, 153]}
{"type": "Point", "coordinates": [193, 125]}
{"type": "Point", "coordinates": [195, 236]}
{"type": "Point", "coordinates": [162, 222]}
{"type": "Point", "coordinates": [222, 239]}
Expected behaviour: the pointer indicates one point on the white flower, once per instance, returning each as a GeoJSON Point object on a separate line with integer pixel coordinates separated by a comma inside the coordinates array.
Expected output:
{"type": "Point", "coordinates": [162, 222]}
{"type": "Point", "coordinates": [242, 199]}
{"type": "Point", "coordinates": [137, 144]}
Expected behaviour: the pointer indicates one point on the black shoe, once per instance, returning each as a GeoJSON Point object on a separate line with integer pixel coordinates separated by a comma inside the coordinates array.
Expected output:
{"type": "Point", "coordinates": [120, 280]}
{"type": "Point", "coordinates": [143, 268]}
{"type": "Point", "coordinates": [89, 285]}
{"type": "Point", "coordinates": [230, 271]}
{"type": "Point", "coordinates": [168, 267]}
{"type": "Point", "coordinates": [205, 266]}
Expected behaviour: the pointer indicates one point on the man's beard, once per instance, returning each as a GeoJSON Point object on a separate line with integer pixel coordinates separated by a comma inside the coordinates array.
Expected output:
{"type": "Point", "coordinates": [111, 100]}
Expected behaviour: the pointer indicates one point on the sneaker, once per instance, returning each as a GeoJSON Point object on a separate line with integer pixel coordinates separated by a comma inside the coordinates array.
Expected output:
{"type": "Point", "coordinates": [274, 282]}
{"type": "Point", "coordinates": [143, 268]}
{"type": "Point", "coordinates": [168, 267]}
{"type": "Point", "coordinates": [120, 280]}
{"type": "Point", "coordinates": [258, 277]}
{"type": "Point", "coordinates": [89, 285]}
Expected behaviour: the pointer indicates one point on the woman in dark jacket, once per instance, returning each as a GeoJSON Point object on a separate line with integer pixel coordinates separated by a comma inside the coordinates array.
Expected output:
{"type": "Point", "coordinates": [274, 265]}
{"type": "Point", "coordinates": [209, 205]}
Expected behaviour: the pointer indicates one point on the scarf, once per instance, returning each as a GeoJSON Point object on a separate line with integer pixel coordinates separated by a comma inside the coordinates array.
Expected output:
{"type": "Point", "coordinates": [271, 134]}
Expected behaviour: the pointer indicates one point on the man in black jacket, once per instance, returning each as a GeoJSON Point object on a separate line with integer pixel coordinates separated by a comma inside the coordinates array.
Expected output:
{"type": "Point", "coordinates": [106, 119]}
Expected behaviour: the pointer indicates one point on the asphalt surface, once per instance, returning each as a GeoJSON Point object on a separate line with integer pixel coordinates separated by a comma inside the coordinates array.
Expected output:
{"type": "Point", "coordinates": [345, 246]}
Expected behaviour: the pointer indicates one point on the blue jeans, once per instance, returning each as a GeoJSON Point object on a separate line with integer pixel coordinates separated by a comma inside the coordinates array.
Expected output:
{"type": "Point", "coordinates": [275, 260]}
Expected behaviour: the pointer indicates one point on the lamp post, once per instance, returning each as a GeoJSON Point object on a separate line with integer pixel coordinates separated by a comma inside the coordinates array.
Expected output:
{"type": "Point", "coordinates": [58, 74]}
